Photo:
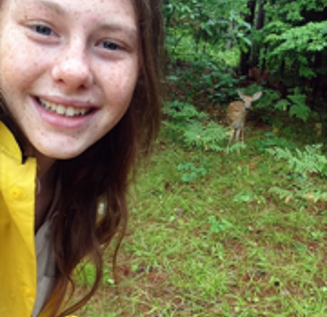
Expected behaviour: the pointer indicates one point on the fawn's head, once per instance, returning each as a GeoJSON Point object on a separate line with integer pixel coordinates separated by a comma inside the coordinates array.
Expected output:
{"type": "Point", "coordinates": [249, 99]}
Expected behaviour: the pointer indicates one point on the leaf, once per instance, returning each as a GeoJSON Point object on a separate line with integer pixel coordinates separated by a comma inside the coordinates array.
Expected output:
{"type": "Point", "coordinates": [288, 199]}
{"type": "Point", "coordinates": [300, 111]}
{"type": "Point", "coordinates": [282, 105]}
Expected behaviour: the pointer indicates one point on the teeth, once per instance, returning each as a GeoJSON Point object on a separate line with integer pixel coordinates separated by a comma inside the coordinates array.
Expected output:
{"type": "Point", "coordinates": [62, 110]}
{"type": "Point", "coordinates": [70, 112]}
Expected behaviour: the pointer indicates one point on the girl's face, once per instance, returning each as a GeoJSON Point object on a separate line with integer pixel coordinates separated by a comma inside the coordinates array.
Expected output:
{"type": "Point", "coordinates": [68, 69]}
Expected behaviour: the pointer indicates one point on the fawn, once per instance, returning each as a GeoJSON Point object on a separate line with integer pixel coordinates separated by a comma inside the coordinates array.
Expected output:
{"type": "Point", "coordinates": [236, 114]}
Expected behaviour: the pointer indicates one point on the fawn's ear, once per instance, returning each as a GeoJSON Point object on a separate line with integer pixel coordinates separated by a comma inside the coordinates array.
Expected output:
{"type": "Point", "coordinates": [240, 94]}
{"type": "Point", "coordinates": [257, 95]}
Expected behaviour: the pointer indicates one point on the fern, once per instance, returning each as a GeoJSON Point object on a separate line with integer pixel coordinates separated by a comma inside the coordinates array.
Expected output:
{"type": "Point", "coordinates": [298, 107]}
{"type": "Point", "coordinates": [206, 137]}
{"type": "Point", "coordinates": [299, 194]}
{"type": "Point", "coordinates": [283, 194]}
{"type": "Point", "coordinates": [296, 166]}
{"type": "Point", "coordinates": [310, 160]}
{"type": "Point", "coordinates": [182, 111]}
{"type": "Point", "coordinates": [194, 129]}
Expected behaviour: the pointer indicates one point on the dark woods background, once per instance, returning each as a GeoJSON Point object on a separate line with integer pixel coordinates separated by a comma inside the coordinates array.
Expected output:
{"type": "Point", "coordinates": [277, 46]}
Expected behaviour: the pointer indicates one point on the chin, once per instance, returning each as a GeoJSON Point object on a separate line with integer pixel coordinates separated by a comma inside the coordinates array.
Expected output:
{"type": "Point", "coordinates": [60, 154]}
{"type": "Point", "coordinates": [64, 156]}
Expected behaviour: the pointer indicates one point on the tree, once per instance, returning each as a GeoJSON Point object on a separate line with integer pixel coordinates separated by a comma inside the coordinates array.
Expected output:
{"type": "Point", "coordinates": [245, 53]}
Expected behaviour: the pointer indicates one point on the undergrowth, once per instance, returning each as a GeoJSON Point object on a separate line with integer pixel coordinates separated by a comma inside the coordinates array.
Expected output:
{"type": "Point", "coordinates": [212, 234]}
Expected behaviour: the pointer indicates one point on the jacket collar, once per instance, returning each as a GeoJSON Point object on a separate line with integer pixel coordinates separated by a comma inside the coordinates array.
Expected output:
{"type": "Point", "coordinates": [9, 144]}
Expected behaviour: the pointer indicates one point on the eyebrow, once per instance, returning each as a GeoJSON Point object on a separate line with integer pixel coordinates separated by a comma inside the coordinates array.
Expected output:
{"type": "Point", "coordinates": [59, 10]}
{"type": "Point", "coordinates": [54, 7]}
{"type": "Point", "coordinates": [132, 32]}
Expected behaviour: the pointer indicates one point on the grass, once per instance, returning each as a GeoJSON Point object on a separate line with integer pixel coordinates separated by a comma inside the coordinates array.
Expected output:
{"type": "Point", "coordinates": [222, 244]}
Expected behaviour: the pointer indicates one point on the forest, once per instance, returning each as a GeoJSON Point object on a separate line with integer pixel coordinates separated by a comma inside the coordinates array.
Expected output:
{"type": "Point", "coordinates": [239, 232]}
{"type": "Point", "coordinates": [276, 46]}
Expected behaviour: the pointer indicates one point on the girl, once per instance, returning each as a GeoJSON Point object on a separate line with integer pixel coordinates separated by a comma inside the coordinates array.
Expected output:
{"type": "Point", "coordinates": [80, 102]}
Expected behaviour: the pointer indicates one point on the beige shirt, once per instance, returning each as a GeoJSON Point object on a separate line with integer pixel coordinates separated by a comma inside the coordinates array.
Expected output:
{"type": "Point", "coordinates": [46, 267]}
{"type": "Point", "coordinates": [46, 263]}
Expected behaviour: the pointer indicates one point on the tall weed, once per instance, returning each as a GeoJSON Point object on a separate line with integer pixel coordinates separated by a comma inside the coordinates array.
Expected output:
{"type": "Point", "coordinates": [305, 168]}
{"type": "Point", "coordinates": [194, 129]}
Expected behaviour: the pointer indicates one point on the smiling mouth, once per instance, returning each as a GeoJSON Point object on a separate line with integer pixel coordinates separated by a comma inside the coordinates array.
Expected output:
{"type": "Point", "coordinates": [63, 110]}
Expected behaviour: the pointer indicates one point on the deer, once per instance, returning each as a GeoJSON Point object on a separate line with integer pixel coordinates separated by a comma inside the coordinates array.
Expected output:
{"type": "Point", "coordinates": [236, 115]}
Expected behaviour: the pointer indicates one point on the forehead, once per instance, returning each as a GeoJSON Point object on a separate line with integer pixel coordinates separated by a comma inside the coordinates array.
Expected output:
{"type": "Point", "coordinates": [96, 9]}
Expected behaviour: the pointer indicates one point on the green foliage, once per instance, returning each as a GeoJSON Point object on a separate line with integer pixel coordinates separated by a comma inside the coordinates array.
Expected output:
{"type": "Point", "coordinates": [207, 137]}
{"type": "Point", "coordinates": [310, 37]}
{"type": "Point", "coordinates": [182, 112]}
{"type": "Point", "coordinates": [203, 78]}
{"type": "Point", "coordinates": [205, 21]}
{"type": "Point", "coordinates": [192, 128]}
{"type": "Point", "coordinates": [219, 226]}
{"type": "Point", "coordinates": [298, 108]}
{"type": "Point", "coordinates": [189, 225]}
{"type": "Point", "coordinates": [229, 58]}
{"type": "Point", "coordinates": [300, 166]}
{"type": "Point", "coordinates": [282, 105]}
{"type": "Point", "coordinates": [191, 171]}
{"type": "Point", "coordinates": [189, 243]}
{"type": "Point", "coordinates": [298, 44]}
{"type": "Point", "coordinates": [268, 102]}
{"type": "Point", "coordinates": [241, 31]}
{"type": "Point", "coordinates": [86, 274]}
{"type": "Point", "coordinates": [291, 46]}
{"type": "Point", "coordinates": [295, 11]}
{"type": "Point", "coordinates": [299, 194]}
{"type": "Point", "coordinates": [309, 160]}
{"type": "Point", "coordinates": [295, 103]}
{"type": "Point", "coordinates": [223, 85]}
{"type": "Point", "coordinates": [247, 196]}
{"type": "Point", "coordinates": [295, 44]}
{"type": "Point", "coordinates": [272, 140]}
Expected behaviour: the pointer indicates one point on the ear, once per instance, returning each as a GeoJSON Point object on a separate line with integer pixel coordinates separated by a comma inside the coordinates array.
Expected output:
{"type": "Point", "coordinates": [257, 95]}
{"type": "Point", "coordinates": [241, 94]}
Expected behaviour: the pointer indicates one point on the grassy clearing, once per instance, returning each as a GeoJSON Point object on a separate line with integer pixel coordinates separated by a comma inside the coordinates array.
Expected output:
{"type": "Point", "coordinates": [223, 244]}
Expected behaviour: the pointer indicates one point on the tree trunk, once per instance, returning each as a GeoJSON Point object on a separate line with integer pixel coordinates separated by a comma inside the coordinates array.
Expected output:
{"type": "Point", "coordinates": [316, 83]}
{"type": "Point", "coordinates": [261, 15]}
{"type": "Point", "coordinates": [230, 33]}
{"type": "Point", "coordinates": [259, 25]}
{"type": "Point", "coordinates": [245, 56]}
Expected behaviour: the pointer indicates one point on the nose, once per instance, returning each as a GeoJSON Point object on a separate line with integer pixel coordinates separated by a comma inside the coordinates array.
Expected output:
{"type": "Point", "coordinates": [72, 70]}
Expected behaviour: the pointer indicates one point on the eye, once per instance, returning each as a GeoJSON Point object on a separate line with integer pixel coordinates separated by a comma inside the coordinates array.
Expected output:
{"type": "Point", "coordinates": [42, 29]}
{"type": "Point", "coordinates": [109, 45]}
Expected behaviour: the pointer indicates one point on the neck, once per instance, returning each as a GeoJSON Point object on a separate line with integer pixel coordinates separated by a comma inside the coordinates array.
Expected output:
{"type": "Point", "coordinates": [45, 164]}
{"type": "Point", "coordinates": [46, 176]}
{"type": "Point", "coordinates": [45, 168]}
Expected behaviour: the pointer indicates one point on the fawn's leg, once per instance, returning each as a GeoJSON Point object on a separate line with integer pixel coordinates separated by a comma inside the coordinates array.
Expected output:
{"type": "Point", "coordinates": [231, 137]}
{"type": "Point", "coordinates": [242, 135]}
{"type": "Point", "coordinates": [237, 139]}
{"type": "Point", "coordinates": [237, 135]}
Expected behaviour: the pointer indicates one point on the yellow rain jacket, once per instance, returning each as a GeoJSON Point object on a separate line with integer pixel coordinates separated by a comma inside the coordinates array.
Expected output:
{"type": "Point", "coordinates": [18, 263]}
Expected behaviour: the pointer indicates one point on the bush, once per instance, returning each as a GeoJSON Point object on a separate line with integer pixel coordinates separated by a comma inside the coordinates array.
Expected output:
{"type": "Point", "coordinates": [193, 128]}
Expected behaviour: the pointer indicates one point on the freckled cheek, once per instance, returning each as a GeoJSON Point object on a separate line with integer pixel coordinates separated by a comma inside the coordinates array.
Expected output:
{"type": "Point", "coordinates": [18, 69]}
{"type": "Point", "coordinates": [21, 56]}
{"type": "Point", "coordinates": [120, 86]}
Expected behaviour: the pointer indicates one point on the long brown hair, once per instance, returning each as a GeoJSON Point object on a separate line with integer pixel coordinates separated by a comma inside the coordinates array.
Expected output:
{"type": "Point", "coordinates": [102, 173]}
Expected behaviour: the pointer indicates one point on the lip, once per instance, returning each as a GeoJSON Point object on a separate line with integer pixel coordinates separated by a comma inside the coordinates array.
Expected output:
{"type": "Point", "coordinates": [67, 102]}
{"type": "Point", "coordinates": [63, 122]}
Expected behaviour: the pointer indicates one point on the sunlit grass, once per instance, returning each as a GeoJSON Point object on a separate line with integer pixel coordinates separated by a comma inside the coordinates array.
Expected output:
{"type": "Point", "coordinates": [220, 245]}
